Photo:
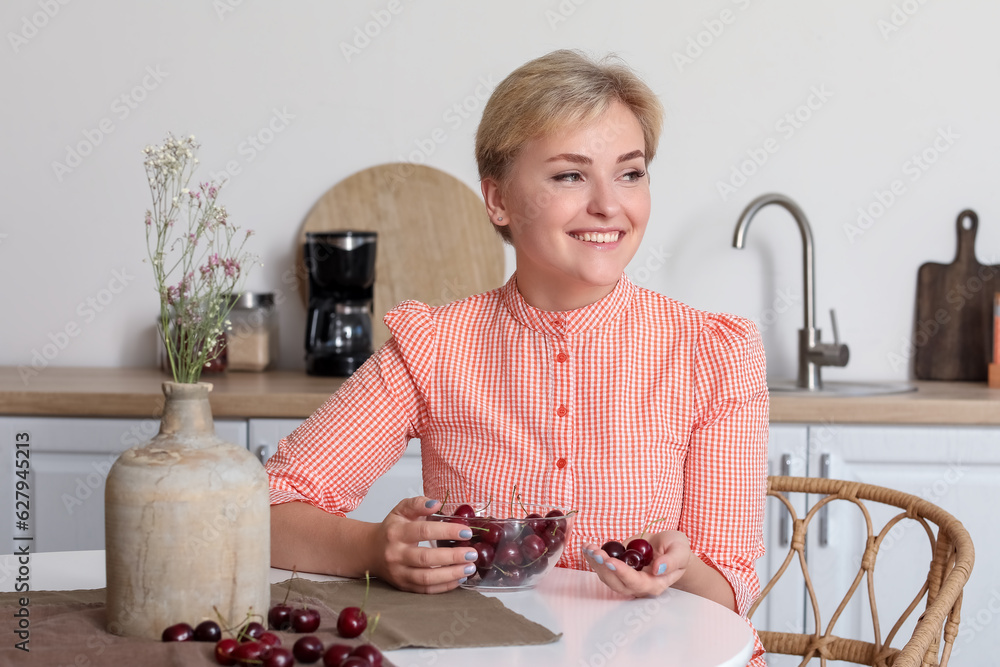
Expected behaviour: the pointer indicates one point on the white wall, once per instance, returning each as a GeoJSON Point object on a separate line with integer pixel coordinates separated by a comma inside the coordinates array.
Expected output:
{"type": "Point", "coordinates": [222, 74]}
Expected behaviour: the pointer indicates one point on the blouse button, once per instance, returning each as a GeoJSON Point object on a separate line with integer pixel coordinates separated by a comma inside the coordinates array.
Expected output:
{"type": "Point", "coordinates": [562, 411]}
{"type": "Point", "coordinates": [561, 463]}
{"type": "Point", "coordinates": [562, 357]}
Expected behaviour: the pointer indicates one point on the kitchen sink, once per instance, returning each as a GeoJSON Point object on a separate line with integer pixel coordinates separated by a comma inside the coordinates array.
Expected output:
{"type": "Point", "coordinates": [841, 388]}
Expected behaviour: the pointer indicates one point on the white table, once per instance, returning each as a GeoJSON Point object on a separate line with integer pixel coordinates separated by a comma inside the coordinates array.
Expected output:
{"type": "Point", "coordinates": [599, 627]}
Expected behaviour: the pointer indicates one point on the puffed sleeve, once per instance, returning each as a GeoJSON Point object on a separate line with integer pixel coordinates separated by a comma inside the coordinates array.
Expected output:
{"type": "Point", "coordinates": [332, 459]}
{"type": "Point", "coordinates": [725, 473]}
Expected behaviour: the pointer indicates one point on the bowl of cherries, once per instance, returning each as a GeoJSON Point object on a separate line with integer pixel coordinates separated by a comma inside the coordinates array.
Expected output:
{"type": "Point", "coordinates": [513, 552]}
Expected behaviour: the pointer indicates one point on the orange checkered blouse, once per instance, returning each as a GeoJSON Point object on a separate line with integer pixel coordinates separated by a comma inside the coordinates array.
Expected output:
{"type": "Point", "coordinates": [631, 409]}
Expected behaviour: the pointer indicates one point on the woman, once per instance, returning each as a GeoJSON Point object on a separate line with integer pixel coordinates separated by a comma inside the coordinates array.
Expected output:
{"type": "Point", "coordinates": [581, 388]}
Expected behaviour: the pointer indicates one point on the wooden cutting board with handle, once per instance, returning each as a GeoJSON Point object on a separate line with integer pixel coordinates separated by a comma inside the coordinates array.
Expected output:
{"type": "Point", "coordinates": [954, 328]}
{"type": "Point", "coordinates": [435, 241]}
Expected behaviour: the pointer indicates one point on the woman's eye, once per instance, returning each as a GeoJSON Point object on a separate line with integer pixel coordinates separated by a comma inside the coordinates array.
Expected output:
{"type": "Point", "coordinates": [571, 177]}
{"type": "Point", "coordinates": [635, 175]}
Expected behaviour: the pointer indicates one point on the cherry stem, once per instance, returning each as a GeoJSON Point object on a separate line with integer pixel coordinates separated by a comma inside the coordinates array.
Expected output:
{"type": "Point", "coordinates": [288, 590]}
{"type": "Point", "coordinates": [646, 527]}
{"type": "Point", "coordinates": [513, 493]}
{"type": "Point", "coordinates": [368, 584]}
{"type": "Point", "coordinates": [371, 628]}
{"type": "Point", "coordinates": [523, 508]}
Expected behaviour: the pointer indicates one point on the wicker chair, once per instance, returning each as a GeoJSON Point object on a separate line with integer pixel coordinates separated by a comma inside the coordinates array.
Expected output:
{"type": "Point", "coordinates": [950, 566]}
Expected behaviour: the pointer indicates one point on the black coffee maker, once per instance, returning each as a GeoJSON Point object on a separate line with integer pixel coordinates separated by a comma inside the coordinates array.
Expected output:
{"type": "Point", "coordinates": [341, 268]}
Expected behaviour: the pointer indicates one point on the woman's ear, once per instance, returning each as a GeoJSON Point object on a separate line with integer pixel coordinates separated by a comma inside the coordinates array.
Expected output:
{"type": "Point", "coordinates": [493, 197]}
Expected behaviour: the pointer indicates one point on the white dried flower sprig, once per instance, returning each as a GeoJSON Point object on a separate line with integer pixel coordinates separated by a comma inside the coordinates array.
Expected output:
{"type": "Point", "coordinates": [196, 268]}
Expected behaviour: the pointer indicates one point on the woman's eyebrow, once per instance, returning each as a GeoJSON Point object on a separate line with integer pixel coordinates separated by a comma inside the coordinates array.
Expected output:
{"type": "Point", "coordinates": [583, 159]}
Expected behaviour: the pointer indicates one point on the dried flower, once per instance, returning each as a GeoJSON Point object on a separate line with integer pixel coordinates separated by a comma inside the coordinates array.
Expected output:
{"type": "Point", "coordinates": [205, 256]}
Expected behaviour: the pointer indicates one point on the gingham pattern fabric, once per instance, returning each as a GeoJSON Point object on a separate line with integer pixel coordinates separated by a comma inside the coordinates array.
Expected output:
{"type": "Point", "coordinates": [631, 409]}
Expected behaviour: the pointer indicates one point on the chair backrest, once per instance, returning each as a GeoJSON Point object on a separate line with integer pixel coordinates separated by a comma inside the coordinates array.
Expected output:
{"type": "Point", "coordinates": [950, 567]}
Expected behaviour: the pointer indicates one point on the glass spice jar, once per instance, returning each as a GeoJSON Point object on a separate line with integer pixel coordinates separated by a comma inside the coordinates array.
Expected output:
{"type": "Point", "coordinates": [252, 335]}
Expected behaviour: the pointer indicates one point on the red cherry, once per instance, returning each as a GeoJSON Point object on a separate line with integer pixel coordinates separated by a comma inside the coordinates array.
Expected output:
{"type": "Point", "coordinates": [181, 632]}
{"type": "Point", "coordinates": [355, 661]}
{"type": "Point", "coordinates": [554, 539]}
{"type": "Point", "coordinates": [252, 630]}
{"type": "Point", "coordinates": [351, 622]}
{"type": "Point", "coordinates": [369, 653]}
{"type": "Point", "coordinates": [224, 651]}
{"type": "Point", "coordinates": [465, 511]}
{"type": "Point", "coordinates": [614, 549]}
{"type": "Point", "coordinates": [484, 555]}
{"type": "Point", "coordinates": [336, 654]}
{"type": "Point", "coordinates": [492, 534]}
{"type": "Point", "coordinates": [532, 547]}
{"type": "Point", "coordinates": [270, 639]}
{"type": "Point", "coordinates": [280, 617]}
{"type": "Point", "coordinates": [250, 652]}
{"type": "Point", "coordinates": [633, 559]}
{"type": "Point", "coordinates": [305, 620]}
{"type": "Point", "coordinates": [279, 657]}
{"type": "Point", "coordinates": [507, 555]}
{"type": "Point", "coordinates": [644, 548]}
{"type": "Point", "coordinates": [207, 631]}
{"type": "Point", "coordinates": [308, 649]}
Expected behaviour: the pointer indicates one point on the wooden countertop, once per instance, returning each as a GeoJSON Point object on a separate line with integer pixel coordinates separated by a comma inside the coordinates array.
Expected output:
{"type": "Point", "coordinates": [135, 392]}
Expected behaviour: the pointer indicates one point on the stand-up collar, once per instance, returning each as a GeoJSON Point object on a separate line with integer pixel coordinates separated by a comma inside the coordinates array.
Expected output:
{"type": "Point", "coordinates": [568, 322]}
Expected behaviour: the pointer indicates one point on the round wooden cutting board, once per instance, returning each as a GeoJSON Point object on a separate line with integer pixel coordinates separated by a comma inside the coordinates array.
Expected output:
{"type": "Point", "coordinates": [435, 241]}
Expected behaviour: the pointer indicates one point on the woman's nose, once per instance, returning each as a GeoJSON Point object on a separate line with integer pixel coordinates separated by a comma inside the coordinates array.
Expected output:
{"type": "Point", "coordinates": [603, 200]}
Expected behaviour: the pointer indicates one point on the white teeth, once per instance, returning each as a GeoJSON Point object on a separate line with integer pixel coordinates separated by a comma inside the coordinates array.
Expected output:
{"type": "Point", "coordinates": [597, 237]}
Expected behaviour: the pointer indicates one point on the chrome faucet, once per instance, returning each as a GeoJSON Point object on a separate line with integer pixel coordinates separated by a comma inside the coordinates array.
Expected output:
{"type": "Point", "coordinates": [813, 354]}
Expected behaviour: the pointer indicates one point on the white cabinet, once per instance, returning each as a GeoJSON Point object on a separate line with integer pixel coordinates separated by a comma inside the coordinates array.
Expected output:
{"type": "Point", "coordinates": [782, 610]}
{"type": "Point", "coordinates": [403, 480]}
{"type": "Point", "coordinates": [956, 468]}
{"type": "Point", "coordinates": [69, 462]}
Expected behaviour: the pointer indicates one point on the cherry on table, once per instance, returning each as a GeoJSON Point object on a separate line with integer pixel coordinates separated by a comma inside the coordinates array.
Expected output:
{"type": "Point", "coordinates": [207, 631]}
{"type": "Point", "coordinates": [249, 652]}
{"type": "Point", "coordinates": [614, 549]}
{"type": "Point", "coordinates": [224, 651]}
{"type": "Point", "coordinates": [270, 639]}
{"type": "Point", "coordinates": [305, 620]}
{"type": "Point", "coordinates": [336, 654]}
{"type": "Point", "coordinates": [351, 622]}
{"type": "Point", "coordinates": [308, 649]}
{"type": "Point", "coordinates": [180, 632]}
{"type": "Point", "coordinates": [279, 657]}
{"type": "Point", "coordinates": [369, 653]}
{"type": "Point", "coordinates": [280, 617]}
{"type": "Point", "coordinates": [250, 631]}
{"type": "Point", "coordinates": [355, 661]}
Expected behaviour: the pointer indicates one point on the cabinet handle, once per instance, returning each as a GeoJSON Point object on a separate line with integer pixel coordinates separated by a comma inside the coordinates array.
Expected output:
{"type": "Point", "coordinates": [824, 513]}
{"type": "Point", "coordinates": [263, 453]}
{"type": "Point", "coordinates": [785, 524]}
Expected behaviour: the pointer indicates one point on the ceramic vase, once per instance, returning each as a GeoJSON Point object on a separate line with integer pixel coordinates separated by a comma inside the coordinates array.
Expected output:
{"type": "Point", "coordinates": [187, 525]}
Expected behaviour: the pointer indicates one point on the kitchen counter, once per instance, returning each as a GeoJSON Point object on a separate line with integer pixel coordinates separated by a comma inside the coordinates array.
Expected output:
{"type": "Point", "coordinates": [135, 392]}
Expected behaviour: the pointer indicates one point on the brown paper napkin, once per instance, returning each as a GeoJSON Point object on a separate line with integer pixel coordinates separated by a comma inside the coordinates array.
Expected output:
{"type": "Point", "coordinates": [67, 627]}
{"type": "Point", "coordinates": [459, 618]}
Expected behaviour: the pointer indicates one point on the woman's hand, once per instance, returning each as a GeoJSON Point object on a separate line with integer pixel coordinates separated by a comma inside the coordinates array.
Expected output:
{"type": "Point", "coordinates": [400, 560]}
{"type": "Point", "coordinates": [671, 560]}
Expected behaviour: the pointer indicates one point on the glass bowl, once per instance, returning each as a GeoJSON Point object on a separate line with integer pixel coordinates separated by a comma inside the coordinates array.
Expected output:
{"type": "Point", "coordinates": [514, 552]}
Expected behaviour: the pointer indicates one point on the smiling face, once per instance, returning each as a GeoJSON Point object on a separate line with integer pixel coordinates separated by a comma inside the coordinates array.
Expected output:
{"type": "Point", "coordinates": [576, 204]}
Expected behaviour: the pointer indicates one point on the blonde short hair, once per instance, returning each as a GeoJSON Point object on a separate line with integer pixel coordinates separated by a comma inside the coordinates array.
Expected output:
{"type": "Point", "coordinates": [546, 94]}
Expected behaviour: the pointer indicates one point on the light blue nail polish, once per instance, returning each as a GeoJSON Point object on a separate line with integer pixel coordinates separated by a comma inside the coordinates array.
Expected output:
{"type": "Point", "coordinates": [430, 503]}
{"type": "Point", "coordinates": [611, 566]}
{"type": "Point", "coordinates": [470, 569]}
{"type": "Point", "coordinates": [661, 569]}
{"type": "Point", "coordinates": [471, 555]}
{"type": "Point", "coordinates": [466, 534]}
{"type": "Point", "coordinates": [463, 580]}
{"type": "Point", "coordinates": [599, 559]}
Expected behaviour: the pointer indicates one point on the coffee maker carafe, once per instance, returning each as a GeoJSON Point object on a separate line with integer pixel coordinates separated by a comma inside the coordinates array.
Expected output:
{"type": "Point", "coordinates": [341, 269]}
